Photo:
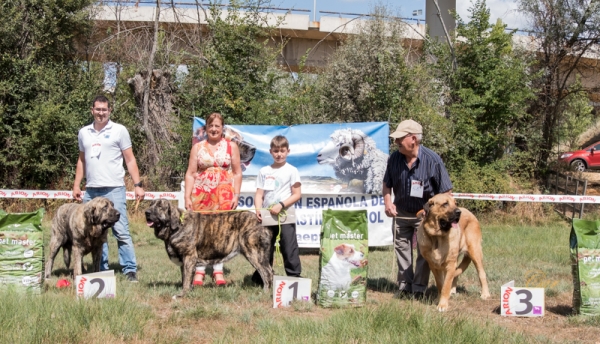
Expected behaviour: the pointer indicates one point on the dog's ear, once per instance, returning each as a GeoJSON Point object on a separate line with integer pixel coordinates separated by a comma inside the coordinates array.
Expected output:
{"type": "Point", "coordinates": [89, 213]}
{"type": "Point", "coordinates": [423, 212]}
{"type": "Point", "coordinates": [174, 217]}
{"type": "Point", "coordinates": [339, 249]}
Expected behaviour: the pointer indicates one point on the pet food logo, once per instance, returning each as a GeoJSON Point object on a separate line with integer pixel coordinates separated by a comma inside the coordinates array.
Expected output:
{"type": "Point", "coordinates": [506, 299]}
{"type": "Point", "coordinates": [466, 196]}
{"type": "Point", "coordinates": [526, 198]}
{"type": "Point", "coordinates": [547, 198]}
{"type": "Point", "coordinates": [62, 194]}
{"type": "Point", "coordinates": [167, 195]}
{"type": "Point", "coordinates": [129, 195]}
{"type": "Point", "coordinates": [510, 197]}
{"type": "Point", "coordinates": [486, 196]}
{"type": "Point", "coordinates": [588, 198]}
{"type": "Point", "coordinates": [149, 195]}
{"type": "Point", "coordinates": [567, 198]}
{"type": "Point", "coordinates": [278, 294]}
{"type": "Point", "coordinates": [19, 193]}
{"type": "Point", "coordinates": [41, 194]}
{"type": "Point", "coordinates": [2, 193]}
{"type": "Point", "coordinates": [81, 286]}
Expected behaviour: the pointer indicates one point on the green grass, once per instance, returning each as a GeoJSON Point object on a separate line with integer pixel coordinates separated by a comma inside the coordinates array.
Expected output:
{"type": "Point", "coordinates": [241, 312]}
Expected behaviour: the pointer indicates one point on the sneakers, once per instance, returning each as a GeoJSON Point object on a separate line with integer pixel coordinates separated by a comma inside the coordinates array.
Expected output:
{"type": "Point", "coordinates": [132, 276]}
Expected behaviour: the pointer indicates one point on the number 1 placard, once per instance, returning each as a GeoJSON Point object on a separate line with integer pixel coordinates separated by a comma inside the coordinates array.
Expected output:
{"type": "Point", "coordinates": [523, 302]}
{"type": "Point", "coordinates": [286, 289]}
{"type": "Point", "coordinates": [96, 285]}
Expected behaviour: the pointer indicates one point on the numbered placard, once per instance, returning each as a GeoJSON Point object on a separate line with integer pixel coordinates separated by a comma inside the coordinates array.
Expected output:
{"type": "Point", "coordinates": [96, 285]}
{"type": "Point", "coordinates": [286, 289]}
{"type": "Point", "coordinates": [521, 302]}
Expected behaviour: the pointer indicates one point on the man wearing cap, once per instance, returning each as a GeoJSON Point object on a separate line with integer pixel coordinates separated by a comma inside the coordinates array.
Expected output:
{"type": "Point", "coordinates": [416, 174]}
{"type": "Point", "coordinates": [103, 145]}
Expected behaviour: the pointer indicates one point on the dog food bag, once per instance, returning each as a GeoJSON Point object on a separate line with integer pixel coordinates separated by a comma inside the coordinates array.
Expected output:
{"type": "Point", "coordinates": [21, 251]}
{"type": "Point", "coordinates": [343, 263]}
{"type": "Point", "coordinates": [585, 266]}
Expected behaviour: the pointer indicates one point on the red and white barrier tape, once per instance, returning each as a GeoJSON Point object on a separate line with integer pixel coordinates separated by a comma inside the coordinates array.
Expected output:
{"type": "Point", "coordinates": [56, 194]}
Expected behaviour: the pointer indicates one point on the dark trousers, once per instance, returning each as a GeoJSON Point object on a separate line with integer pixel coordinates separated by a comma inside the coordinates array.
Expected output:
{"type": "Point", "coordinates": [288, 245]}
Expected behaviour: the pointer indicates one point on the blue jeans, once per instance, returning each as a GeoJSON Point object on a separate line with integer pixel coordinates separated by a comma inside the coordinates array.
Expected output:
{"type": "Point", "coordinates": [120, 229]}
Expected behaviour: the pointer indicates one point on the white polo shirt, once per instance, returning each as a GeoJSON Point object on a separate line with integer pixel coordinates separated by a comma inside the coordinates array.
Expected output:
{"type": "Point", "coordinates": [104, 154]}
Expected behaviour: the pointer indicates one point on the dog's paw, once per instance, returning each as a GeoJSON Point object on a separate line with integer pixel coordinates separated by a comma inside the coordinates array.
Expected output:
{"type": "Point", "coordinates": [442, 306]}
{"type": "Point", "coordinates": [485, 295]}
{"type": "Point", "coordinates": [453, 291]}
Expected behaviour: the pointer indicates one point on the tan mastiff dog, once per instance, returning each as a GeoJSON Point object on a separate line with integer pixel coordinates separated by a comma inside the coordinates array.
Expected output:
{"type": "Point", "coordinates": [445, 232]}
{"type": "Point", "coordinates": [81, 228]}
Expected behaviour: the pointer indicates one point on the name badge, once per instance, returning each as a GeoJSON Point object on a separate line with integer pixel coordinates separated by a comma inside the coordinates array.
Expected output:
{"type": "Point", "coordinates": [416, 189]}
{"type": "Point", "coordinates": [96, 148]}
{"type": "Point", "coordinates": [269, 184]}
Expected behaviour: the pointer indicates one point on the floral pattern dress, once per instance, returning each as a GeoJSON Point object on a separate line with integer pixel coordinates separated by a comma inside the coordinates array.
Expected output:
{"type": "Point", "coordinates": [213, 186]}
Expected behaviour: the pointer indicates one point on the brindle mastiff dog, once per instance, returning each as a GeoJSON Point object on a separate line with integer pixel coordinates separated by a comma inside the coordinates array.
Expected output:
{"type": "Point", "coordinates": [193, 238]}
{"type": "Point", "coordinates": [444, 233]}
{"type": "Point", "coordinates": [81, 228]}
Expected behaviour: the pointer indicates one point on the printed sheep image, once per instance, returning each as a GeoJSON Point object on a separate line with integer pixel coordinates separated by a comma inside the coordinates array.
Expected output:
{"type": "Point", "coordinates": [354, 155]}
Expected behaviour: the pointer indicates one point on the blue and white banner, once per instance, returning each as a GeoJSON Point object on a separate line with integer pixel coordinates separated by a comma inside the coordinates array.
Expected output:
{"type": "Point", "coordinates": [341, 166]}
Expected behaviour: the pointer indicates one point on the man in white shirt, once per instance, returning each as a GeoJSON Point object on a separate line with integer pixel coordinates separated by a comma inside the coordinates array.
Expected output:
{"type": "Point", "coordinates": [102, 147]}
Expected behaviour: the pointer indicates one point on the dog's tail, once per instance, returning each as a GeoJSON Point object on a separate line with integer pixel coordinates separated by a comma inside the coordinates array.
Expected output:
{"type": "Point", "coordinates": [67, 256]}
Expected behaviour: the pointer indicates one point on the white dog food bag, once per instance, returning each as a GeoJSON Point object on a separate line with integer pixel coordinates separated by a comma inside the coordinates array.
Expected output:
{"type": "Point", "coordinates": [21, 251]}
{"type": "Point", "coordinates": [343, 263]}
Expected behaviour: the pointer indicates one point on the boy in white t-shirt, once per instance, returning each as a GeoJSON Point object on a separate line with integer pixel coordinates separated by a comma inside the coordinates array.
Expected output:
{"type": "Point", "coordinates": [278, 187]}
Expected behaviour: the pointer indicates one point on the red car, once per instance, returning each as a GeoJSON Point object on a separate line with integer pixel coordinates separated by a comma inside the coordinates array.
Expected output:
{"type": "Point", "coordinates": [581, 160]}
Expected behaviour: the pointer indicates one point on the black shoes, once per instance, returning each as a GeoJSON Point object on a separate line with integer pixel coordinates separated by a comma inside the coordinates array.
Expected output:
{"type": "Point", "coordinates": [131, 276]}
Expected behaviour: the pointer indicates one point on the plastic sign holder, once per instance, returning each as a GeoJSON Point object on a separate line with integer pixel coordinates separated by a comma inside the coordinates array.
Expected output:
{"type": "Point", "coordinates": [96, 285]}
{"type": "Point", "coordinates": [521, 302]}
{"type": "Point", "coordinates": [286, 289]}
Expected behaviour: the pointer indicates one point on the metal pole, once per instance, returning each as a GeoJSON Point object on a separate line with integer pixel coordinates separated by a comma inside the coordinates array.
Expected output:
{"type": "Point", "coordinates": [315, 10]}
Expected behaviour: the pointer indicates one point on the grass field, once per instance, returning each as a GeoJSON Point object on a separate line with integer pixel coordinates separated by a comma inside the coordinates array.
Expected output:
{"type": "Point", "coordinates": [241, 312]}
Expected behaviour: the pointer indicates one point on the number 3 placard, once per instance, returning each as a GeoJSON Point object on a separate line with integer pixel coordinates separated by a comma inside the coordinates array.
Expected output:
{"type": "Point", "coordinates": [96, 285]}
{"type": "Point", "coordinates": [523, 302]}
{"type": "Point", "coordinates": [286, 289]}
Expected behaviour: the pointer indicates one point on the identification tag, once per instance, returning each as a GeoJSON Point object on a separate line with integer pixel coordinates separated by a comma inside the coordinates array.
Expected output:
{"type": "Point", "coordinates": [287, 289]}
{"type": "Point", "coordinates": [269, 184]}
{"type": "Point", "coordinates": [96, 148]}
{"type": "Point", "coordinates": [96, 285]}
{"type": "Point", "coordinates": [416, 189]}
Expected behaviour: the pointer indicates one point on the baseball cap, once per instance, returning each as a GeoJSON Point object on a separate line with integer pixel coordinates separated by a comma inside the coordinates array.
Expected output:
{"type": "Point", "coordinates": [407, 127]}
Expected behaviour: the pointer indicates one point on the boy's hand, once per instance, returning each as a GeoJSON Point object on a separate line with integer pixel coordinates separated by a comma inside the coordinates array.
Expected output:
{"type": "Point", "coordinates": [276, 209]}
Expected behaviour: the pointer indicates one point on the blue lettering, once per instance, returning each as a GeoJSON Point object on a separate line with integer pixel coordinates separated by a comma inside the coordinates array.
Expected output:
{"type": "Point", "coordinates": [372, 217]}
{"type": "Point", "coordinates": [298, 204]}
{"type": "Point", "coordinates": [306, 237]}
{"type": "Point", "coordinates": [339, 201]}
{"type": "Point", "coordinates": [331, 204]}
{"type": "Point", "coordinates": [379, 219]}
{"type": "Point", "coordinates": [301, 220]}
{"type": "Point", "coordinates": [374, 200]}
{"type": "Point", "coordinates": [324, 202]}
{"type": "Point", "coordinates": [309, 203]}
{"type": "Point", "coordinates": [314, 237]}
{"type": "Point", "coordinates": [249, 202]}
{"type": "Point", "coordinates": [363, 201]}
{"type": "Point", "coordinates": [348, 202]}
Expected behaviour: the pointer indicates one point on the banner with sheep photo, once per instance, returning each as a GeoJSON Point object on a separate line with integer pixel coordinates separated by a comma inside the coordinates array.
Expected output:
{"type": "Point", "coordinates": [341, 166]}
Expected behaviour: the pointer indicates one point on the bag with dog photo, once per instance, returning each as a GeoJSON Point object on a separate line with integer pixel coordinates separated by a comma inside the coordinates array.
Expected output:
{"type": "Point", "coordinates": [343, 261]}
{"type": "Point", "coordinates": [585, 266]}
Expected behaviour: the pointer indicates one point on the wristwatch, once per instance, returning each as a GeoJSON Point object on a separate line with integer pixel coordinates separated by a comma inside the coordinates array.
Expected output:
{"type": "Point", "coordinates": [138, 184]}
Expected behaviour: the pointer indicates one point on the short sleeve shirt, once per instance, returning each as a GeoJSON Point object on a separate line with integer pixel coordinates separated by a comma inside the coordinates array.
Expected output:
{"type": "Point", "coordinates": [277, 183]}
{"type": "Point", "coordinates": [428, 169]}
{"type": "Point", "coordinates": [104, 154]}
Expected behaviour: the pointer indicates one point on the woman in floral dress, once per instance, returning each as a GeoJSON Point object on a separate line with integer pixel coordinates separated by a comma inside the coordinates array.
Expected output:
{"type": "Point", "coordinates": [213, 180]}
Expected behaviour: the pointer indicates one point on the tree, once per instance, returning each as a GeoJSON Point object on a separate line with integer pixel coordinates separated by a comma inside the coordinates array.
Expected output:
{"type": "Point", "coordinates": [565, 31]}
{"type": "Point", "coordinates": [486, 93]}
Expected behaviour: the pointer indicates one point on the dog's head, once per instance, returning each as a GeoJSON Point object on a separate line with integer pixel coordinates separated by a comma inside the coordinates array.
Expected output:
{"type": "Point", "coordinates": [101, 214]}
{"type": "Point", "coordinates": [348, 254]}
{"type": "Point", "coordinates": [163, 217]}
{"type": "Point", "coordinates": [440, 213]}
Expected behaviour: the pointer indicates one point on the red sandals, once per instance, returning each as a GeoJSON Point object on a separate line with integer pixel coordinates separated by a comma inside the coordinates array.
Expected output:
{"type": "Point", "coordinates": [218, 277]}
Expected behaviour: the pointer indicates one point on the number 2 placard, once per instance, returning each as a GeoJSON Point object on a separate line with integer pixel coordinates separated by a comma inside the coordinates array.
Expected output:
{"type": "Point", "coordinates": [286, 289]}
{"type": "Point", "coordinates": [524, 302]}
{"type": "Point", "coordinates": [96, 285]}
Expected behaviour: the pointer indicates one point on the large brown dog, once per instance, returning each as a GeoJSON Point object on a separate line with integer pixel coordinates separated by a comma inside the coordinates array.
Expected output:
{"type": "Point", "coordinates": [81, 228]}
{"type": "Point", "coordinates": [444, 233]}
{"type": "Point", "coordinates": [193, 238]}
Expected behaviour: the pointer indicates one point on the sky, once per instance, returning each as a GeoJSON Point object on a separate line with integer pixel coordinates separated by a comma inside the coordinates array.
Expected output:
{"type": "Point", "coordinates": [503, 9]}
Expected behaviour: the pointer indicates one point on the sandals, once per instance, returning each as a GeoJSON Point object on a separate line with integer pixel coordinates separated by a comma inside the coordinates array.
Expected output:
{"type": "Point", "coordinates": [218, 277]}
{"type": "Point", "coordinates": [199, 282]}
